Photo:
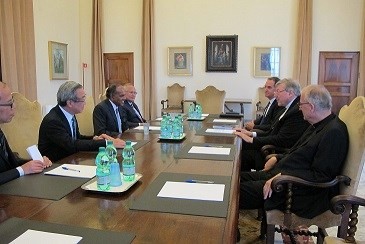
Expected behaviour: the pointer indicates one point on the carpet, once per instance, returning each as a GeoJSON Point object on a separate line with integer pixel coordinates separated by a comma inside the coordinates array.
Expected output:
{"type": "Point", "coordinates": [250, 230]}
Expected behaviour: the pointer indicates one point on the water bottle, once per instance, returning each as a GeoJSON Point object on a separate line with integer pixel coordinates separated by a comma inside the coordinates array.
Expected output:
{"type": "Point", "coordinates": [191, 111]}
{"type": "Point", "coordinates": [181, 125]}
{"type": "Point", "coordinates": [110, 151]}
{"type": "Point", "coordinates": [163, 129]}
{"type": "Point", "coordinates": [128, 164]}
{"type": "Point", "coordinates": [198, 111]}
{"type": "Point", "coordinates": [102, 170]}
{"type": "Point", "coordinates": [169, 127]}
{"type": "Point", "coordinates": [176, 128]}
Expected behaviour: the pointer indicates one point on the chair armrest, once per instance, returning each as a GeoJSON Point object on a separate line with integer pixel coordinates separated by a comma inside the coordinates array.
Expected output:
{"type": "Point", "coordinates": [271, 149]}
{"type": "Point", "coordinates": [278, 183]}
{"type": "Point", "coordinates": [338, 203]}
{"type": "Point", "coordinates": [163, 102]}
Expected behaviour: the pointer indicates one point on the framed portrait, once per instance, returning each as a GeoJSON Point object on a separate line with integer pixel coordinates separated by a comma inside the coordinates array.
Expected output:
{"type": "Point", "coordinates": [58, 64]}
{"type": "Point", "coordinates": [180, 61]}
{"type": "Point", "coordinates": [221, 53]}
{"type": "Point", "coordinates": [266, 61]}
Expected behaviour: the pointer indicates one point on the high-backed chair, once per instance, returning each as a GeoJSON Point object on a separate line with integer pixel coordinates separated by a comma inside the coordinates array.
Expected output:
{"type": "Point", "coordinates": [102, 96]}
{"type": "Point", "coordinates": [85, 119]}
{"type": "Point", "coordinates": [211, 99]}
{"type": "Point", "coordinates": [175, 99]}
{"type": "Point", "coordinates": [22, 131]}
{"type": "Point", "coordinates": [261, 102]}
{"type": "Point", "coordinates": [354, 118]}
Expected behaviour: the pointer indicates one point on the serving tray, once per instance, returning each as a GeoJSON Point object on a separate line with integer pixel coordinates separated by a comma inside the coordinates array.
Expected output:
{"type": "Point", "coordinates": [91, 185]}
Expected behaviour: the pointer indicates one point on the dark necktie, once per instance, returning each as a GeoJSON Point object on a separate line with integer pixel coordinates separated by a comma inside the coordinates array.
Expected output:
{"type": "Point", "coordinates": [3, 145]}
{"type": "Point", "coordinates": [119, 121]}
{"type": "Point", "coordinates": [74, 128]}
{"type": "Point", "coordinates": [265, 113]}
{"type": "Point", "coordinates": [137, 113]}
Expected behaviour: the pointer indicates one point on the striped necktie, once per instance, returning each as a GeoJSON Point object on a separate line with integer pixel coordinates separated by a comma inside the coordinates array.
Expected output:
{"type": "Point", "coordinates": [119, 121]}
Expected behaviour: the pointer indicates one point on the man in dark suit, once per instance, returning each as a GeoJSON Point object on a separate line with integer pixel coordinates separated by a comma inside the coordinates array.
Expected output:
{"type": "Point", "coordinates": [287, 128]}
{"type": "Point", "coordinates": [108, 115]}
{"type": "Point", "coordinates": [10, 166]}
{"type": "Point", "coordinates": [134, 116]}
{"type": "Point", "coordinates": [317, 156]}
{"type": "Point", "coordinates": [59, 134]}
{"type": "Point", "coordinates": [271, 110]}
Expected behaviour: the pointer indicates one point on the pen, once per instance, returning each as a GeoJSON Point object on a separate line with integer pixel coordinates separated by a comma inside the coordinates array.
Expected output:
{"type": "Point", "coordinates": [200, 181]}
{"type": "Point", "coordinates": [65, 168]}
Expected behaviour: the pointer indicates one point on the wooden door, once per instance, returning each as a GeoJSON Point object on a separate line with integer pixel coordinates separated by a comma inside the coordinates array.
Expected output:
{"type": "Point", "coordinates": [118, 68]}
{"type": "Point", "coordinates": [338, 72]}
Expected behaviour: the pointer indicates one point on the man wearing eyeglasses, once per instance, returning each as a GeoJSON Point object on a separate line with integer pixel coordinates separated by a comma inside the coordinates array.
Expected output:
{"type": "Point", "coordinates": [134, 116]}
{"type": "Point", "coordinates": [285, 131]}
{"type": "Point", "coordinates": [10, 166]}
{"type": "Point", "coordinates": [59, 134]}
{"type": "Point", "coordinates": [108, 115]}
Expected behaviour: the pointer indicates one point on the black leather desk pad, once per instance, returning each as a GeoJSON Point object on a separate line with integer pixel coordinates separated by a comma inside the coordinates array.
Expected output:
{"type": "Point", "coordinates": [202, 132]}
{"type": "Point", "coordinates": [149, 201]}
{"type": "Point", "coordinates": [42, 186]}
{"type": "Point", "coordinates": [183, 153]}
{"type": "Point", "coordinates": [14, 227]}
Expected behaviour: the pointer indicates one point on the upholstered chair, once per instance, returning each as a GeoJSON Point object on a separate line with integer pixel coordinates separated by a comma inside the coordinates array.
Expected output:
{"type": "Point", "coordinates": [211, 99]}
{"type": "Point", "coordinates": [85, 119]}
{"type": "Point", "coordinates": [175, 100]}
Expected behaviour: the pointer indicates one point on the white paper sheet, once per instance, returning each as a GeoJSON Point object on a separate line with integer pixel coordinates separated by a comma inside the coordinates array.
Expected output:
{"type": "Point", "coordinates": [210, 150]}
{"type": "Point", "coordinates": [193, 191]}
{"type": "Point", "coordinates": [35, 236]}
{"type": "Point", "coordinates": [224, 120]}
{"type": "Point", "coordinates": [158, 119]}
{"type": "Point", "coordinates": [34, 153]}
{"type": "Point", "coordinates": [151, 127]}
{"type": "Point", "coordinates": [205, 115]}
{"type": "Point", "coordinates": [219, 131]}
{"type": "Point", "coordinates": [133, 143]}
{"type": "Point", "coordinates": [86, 171]}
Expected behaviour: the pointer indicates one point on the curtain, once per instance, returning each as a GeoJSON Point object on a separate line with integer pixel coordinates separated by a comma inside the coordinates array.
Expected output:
{"type": "Point", "coordinates": [18, 46]}
{"type": "Point", "coordinates": [361, 80]}
{"type": "Point", "coordinates": [97, 51]}
{"type": "Point", "coordinates": [148, 56]}
{"type": "Point", "coordinates": [303, 46]}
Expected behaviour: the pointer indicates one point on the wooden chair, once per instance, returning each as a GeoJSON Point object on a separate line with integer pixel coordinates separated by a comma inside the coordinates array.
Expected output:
{"type": "Point", "coordinates": [102, 96]}
{"type": "Point", "coordinates": [175, 100]}
{"type": "Point", "coordinates": [348, 207]}
{"type": "Point", "coordinates": [85, 119]}
{"type": "Point", "coordinates": [22, 131]}
{"type": "Point", "coordinates": [211, 99]}
{"type": "Point", "coordinates": [261, 103]}
{"type": "Point", "coordinates": [354, 118]}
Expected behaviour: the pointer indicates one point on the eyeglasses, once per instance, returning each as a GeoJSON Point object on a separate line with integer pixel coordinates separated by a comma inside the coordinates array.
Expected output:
{"type": "Point", "coordinates": [301, 104]}
{"type": "Point", "coordinates": [81, 100]}
{"type": "Point", "coordinates": [10, 104]}
{"type": "Point", "coordinates": [277, 91]}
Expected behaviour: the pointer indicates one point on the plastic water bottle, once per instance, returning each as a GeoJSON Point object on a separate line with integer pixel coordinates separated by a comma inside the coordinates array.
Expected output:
{"type": "Point", "coordinates": [198, 111]}
{"type": "Point", "coordinates": [102, 170]}
{"type": "Point", "coordinates": [128, 164]}
{"type": "Point", "coordinates": [169, 127]}
{"type": "Point", "coordinates": [176, 127]}
{"type": "Point", "coordinates": [164, 129]}
{"type": "Point", "coordinates": [181, 125]}
{"type": "Point", "coordinates": [191, 111]}
{"type": "Point", "coordinates": [110, 151]}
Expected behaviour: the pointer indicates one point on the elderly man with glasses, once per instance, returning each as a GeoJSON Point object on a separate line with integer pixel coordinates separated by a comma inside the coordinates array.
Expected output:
{"type": "Point", "coordinates": [134, 116]}
{"type": "Point", "coordinates": [12, 167]}
{"type": "Point", "coordinates": [59, 134]}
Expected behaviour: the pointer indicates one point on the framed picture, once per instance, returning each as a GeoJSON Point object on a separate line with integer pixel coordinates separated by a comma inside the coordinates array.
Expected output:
{"type": "Point", "coordinates": [180, 61]}
{"type": "Point", "coordinates": [266, 61]}
{"type": "Point", "coordinates": [221, 53]}
{"type": "Point", "coordinates": [58, 65]}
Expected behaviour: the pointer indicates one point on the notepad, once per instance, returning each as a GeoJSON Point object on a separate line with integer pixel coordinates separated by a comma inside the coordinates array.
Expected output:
{"type": "Point", "coordinates": [35, 236]}
{"type": "Point", "coordinates": [34, 153]}
{"type": "Point", "coordinates": [220, 131]}
{"type": "Point", "coordinates": [225, 121]}
{"type": "Point", "coordinates": [86, 171]}
{"type": "Point", "coordinates": [192, 191]}
{"type": "Point", "coordinates": [210, 150]}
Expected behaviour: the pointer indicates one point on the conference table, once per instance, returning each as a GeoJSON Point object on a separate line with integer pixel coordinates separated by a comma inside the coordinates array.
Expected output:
{"type": "Point", "coordinates": [111, 212]}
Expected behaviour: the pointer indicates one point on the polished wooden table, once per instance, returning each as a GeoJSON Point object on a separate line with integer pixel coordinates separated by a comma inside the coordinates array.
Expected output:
{"type": "Point", "coordinates": [111, 212]}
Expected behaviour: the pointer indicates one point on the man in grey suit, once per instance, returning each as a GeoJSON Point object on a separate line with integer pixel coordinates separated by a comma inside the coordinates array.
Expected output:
{"type": "Point", "coordinates": [108, 116]}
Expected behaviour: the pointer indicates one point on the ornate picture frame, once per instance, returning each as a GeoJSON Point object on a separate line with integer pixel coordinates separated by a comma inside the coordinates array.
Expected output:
{"type": "Point", "coordinates": [180, 60]}
{"type": "Point", "coordinates": [221, 53]}
{"type": "Point", "coordinates": [58, 62]}
{"type": "Point", "coordinates": [266, 61]}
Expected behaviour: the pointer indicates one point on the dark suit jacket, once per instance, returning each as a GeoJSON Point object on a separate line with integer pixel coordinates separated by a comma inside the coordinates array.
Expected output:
{"type": "Point", "coordinates": [8, 166]}
{"type": "Point", "coordinates": [105, 120]}
{"type": "Point", "coordinates": [132, 118]}
{"type": "Point", "coordinates": [265, 123]}
{"type": "Point", "coordinates": [284, 132]}
{"type": "Point", "coordinates": [55, 137]}
{"type": "Point", "coordinates": [318, 158]}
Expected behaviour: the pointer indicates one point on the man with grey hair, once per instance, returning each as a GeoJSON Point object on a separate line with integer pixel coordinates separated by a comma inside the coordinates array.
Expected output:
{"type": "Point", "coordinates": [317, 156]}
{"type": "Point", "coordinates": [286, 129]}
{"type": "Point", "coordinates": [59, 134]}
